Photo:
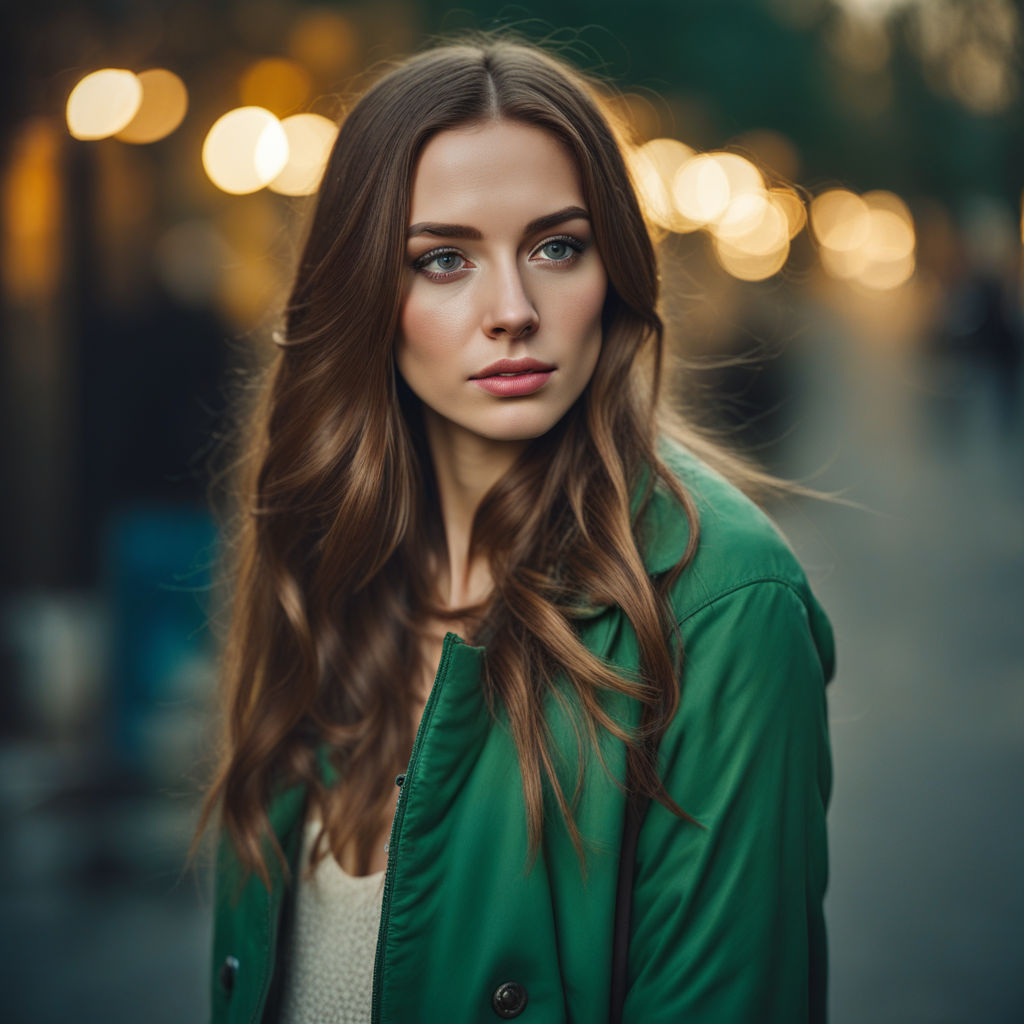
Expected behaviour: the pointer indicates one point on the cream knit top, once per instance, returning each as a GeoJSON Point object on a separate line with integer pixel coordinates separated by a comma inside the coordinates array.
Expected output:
{"type": "Point", "coordinates": [328, 970]}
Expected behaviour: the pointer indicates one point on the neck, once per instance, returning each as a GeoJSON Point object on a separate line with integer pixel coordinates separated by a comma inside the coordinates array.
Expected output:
{"type": "Point", "coordinates": [466, 467]}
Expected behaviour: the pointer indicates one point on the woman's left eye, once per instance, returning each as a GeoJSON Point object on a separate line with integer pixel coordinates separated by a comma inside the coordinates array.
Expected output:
{"type": "Point", "coordinates": [563, 249]}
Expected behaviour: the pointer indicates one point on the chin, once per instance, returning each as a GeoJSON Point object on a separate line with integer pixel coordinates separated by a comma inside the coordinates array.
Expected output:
{"type": "Point", "coordinates": [528, 428]}
{"type": "Point", "coordinates": [512, 436]}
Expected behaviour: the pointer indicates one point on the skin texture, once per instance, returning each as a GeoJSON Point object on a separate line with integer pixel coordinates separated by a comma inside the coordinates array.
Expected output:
{"type": "Point", "coordinates": [510, 293]}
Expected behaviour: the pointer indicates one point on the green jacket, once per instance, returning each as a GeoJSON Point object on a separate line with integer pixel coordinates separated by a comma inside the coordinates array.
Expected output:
{"type": "Point", "coordinates": [727, 923]}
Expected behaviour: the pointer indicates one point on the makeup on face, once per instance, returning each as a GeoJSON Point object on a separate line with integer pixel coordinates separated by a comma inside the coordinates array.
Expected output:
{"type": "Point", "coordinates": [501, 322]}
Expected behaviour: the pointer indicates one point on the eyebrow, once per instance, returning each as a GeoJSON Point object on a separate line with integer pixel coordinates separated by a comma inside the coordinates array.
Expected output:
{"type": "Point", "coordinates": [549, 220]}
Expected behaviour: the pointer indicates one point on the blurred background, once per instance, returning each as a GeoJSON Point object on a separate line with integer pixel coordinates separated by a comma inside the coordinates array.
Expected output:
{"type": "Point", "coordinates": [839, 185]}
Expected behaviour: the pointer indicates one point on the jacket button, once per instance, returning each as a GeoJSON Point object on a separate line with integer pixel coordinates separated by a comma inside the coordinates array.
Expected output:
{"type": "Point", "coordinates": [509, 999]}
{"type": "Point", "coordinates": [227, 972]}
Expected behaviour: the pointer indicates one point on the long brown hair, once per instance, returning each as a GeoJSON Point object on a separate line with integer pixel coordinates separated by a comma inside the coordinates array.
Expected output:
{"type": "Point", "coordinates": [337, 506]}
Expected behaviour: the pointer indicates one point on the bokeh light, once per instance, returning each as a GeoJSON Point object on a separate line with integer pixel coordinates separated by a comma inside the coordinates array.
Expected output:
{"type": "Point", "coordinates": [748, 266]}
{"type": "Point", "coordinates": [868, 239]}
{"type": "Point", "coordinates": [310, 137]}
{"type": "Point", "coordinates": [839, 219]}
{"type": "Point", "coordinates": [743, 177]}
{"type": "Point", "coordinates": [969, 51]}
{"type": "Point", "coordinates": [881, 199]}
{"type": "Point", "coordinates": [754, 224]}
{"type": "Point", "coordinates": [245, 150]}
{"type": "Point", "coordinates": [742, 217]}
{"type": "Point", "coordinates": [103, 103]}
{"type": "Point", "coordinates": [701, 189]}
{"type": "Point", "coordinates": [981, 78]}
{"type": "Point", "coordinates": [706, 187]}
{"type": "Point", "coordinates": [792, 208]}
{"type": "Point", "coordinates": [889, 237]}
{"type": "Point", "coordinates": [278, 84]}
{"type": "Point", "coordinates": [656, 164]}
{"type": "Point", "coordinates": [31, 214]}
{"type": "Point", "coordinates": [882, 276]}
{"type": "Point", "coordinates": [751, 238]}
{"type": "Point", "coordinates": [162, 108]}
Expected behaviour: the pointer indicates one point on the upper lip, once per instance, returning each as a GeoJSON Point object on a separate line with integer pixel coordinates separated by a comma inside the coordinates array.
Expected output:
{"type": "Point", "coordinates": [512, 366]}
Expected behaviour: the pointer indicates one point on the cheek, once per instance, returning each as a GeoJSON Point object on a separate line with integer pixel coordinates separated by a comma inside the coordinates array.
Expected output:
{"type": "Point", "coordinates": [592, 302]}
{"type": "Point", "coordinates": [591, 309]}
{"type": "Point", "coordinates": [426, 343]}
{"type": "Point", "coordinates": [580, 316]}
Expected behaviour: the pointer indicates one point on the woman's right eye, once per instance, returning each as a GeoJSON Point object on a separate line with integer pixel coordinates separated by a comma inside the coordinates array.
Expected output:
{"type": "Point", "coordinates": [439, 263]}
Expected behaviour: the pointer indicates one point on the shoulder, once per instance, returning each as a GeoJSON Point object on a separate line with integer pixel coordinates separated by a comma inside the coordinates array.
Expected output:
{"type": "Point", "coordinates": [739, 547]}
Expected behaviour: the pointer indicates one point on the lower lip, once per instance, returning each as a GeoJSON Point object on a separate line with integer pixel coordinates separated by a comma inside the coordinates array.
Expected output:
{"type": "Point", "coordinates": [509, 387]}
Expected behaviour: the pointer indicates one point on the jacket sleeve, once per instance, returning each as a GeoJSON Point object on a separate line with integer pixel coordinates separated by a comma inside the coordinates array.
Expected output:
{"type": "Point", "coordinates": [727, 923]}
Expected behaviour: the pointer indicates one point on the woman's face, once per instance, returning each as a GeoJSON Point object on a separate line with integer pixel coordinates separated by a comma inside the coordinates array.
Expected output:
{"type": "Point", "coordinates": [501, 266]}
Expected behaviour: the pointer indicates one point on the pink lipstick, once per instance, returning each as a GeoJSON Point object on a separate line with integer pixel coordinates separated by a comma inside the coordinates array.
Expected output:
{"type": "Point", "coordinates": [509, 378]}
{"type": "Point", "coordinates": [517, 384]}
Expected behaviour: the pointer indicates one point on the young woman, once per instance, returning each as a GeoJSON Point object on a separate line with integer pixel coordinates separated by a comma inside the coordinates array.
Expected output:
{"type": "Point", "coordinates": [525, 697]}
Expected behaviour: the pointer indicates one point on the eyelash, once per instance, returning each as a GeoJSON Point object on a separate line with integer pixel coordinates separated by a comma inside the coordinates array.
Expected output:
{"type": "Point", "coordinates": [420, 263]}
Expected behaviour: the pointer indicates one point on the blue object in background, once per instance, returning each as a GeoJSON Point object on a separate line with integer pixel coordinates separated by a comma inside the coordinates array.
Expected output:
{"type": "Point", "coordinates": [157, 575]}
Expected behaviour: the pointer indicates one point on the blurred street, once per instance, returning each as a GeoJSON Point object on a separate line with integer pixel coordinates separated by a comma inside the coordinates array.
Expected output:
{"type": "Point", "coordinates": [927, 710]}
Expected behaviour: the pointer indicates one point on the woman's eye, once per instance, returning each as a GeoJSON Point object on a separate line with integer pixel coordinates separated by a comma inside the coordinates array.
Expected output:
{"type": "Point", "coordinates": [556, 250]}
{"type": "Point", "coordinates": [439, 264]}
{"type": "Point", "coordinates": [446, 261]}
{"type": "Point", "coordinates": [560, 250]}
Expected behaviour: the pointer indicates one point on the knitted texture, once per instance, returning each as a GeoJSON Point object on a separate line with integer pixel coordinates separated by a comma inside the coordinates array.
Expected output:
{"type": "Point", "coordinates": [328, 969]}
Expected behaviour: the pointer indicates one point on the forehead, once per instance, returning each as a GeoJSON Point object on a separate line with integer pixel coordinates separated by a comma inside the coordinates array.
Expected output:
{"type": "Point", "coordinates": [495, 171]}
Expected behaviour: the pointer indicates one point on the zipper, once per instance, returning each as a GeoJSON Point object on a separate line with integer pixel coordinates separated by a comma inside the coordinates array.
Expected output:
{"type": "Point", "coordinates": [450, 640]}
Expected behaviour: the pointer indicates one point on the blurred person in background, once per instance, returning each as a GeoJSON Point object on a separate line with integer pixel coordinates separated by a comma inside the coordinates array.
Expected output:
{"type": "Point", "coordinates": [524, 693]}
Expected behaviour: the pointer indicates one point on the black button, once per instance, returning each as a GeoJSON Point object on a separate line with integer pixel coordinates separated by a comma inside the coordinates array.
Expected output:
{"type": "Point", "coordinates": [399, 779]}
{"type": "Point", "coordinates": [509, 999]}
{"type": "Point", "coordinates": [227, 973]}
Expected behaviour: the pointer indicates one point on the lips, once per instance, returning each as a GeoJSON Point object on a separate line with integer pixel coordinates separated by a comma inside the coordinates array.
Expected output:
{"type": "Point", "coordinates": [513, 366]}
{"type": "Point", "coordinates": [514, 385]}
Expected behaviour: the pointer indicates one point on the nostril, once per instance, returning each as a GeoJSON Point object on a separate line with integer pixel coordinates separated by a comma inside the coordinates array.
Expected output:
{"type": "Point", "coordinates": [527, 328]}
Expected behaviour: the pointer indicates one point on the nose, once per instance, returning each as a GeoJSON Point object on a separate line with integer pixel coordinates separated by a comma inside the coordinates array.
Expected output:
{"type": "Point", "coordinates": [509, 313]}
